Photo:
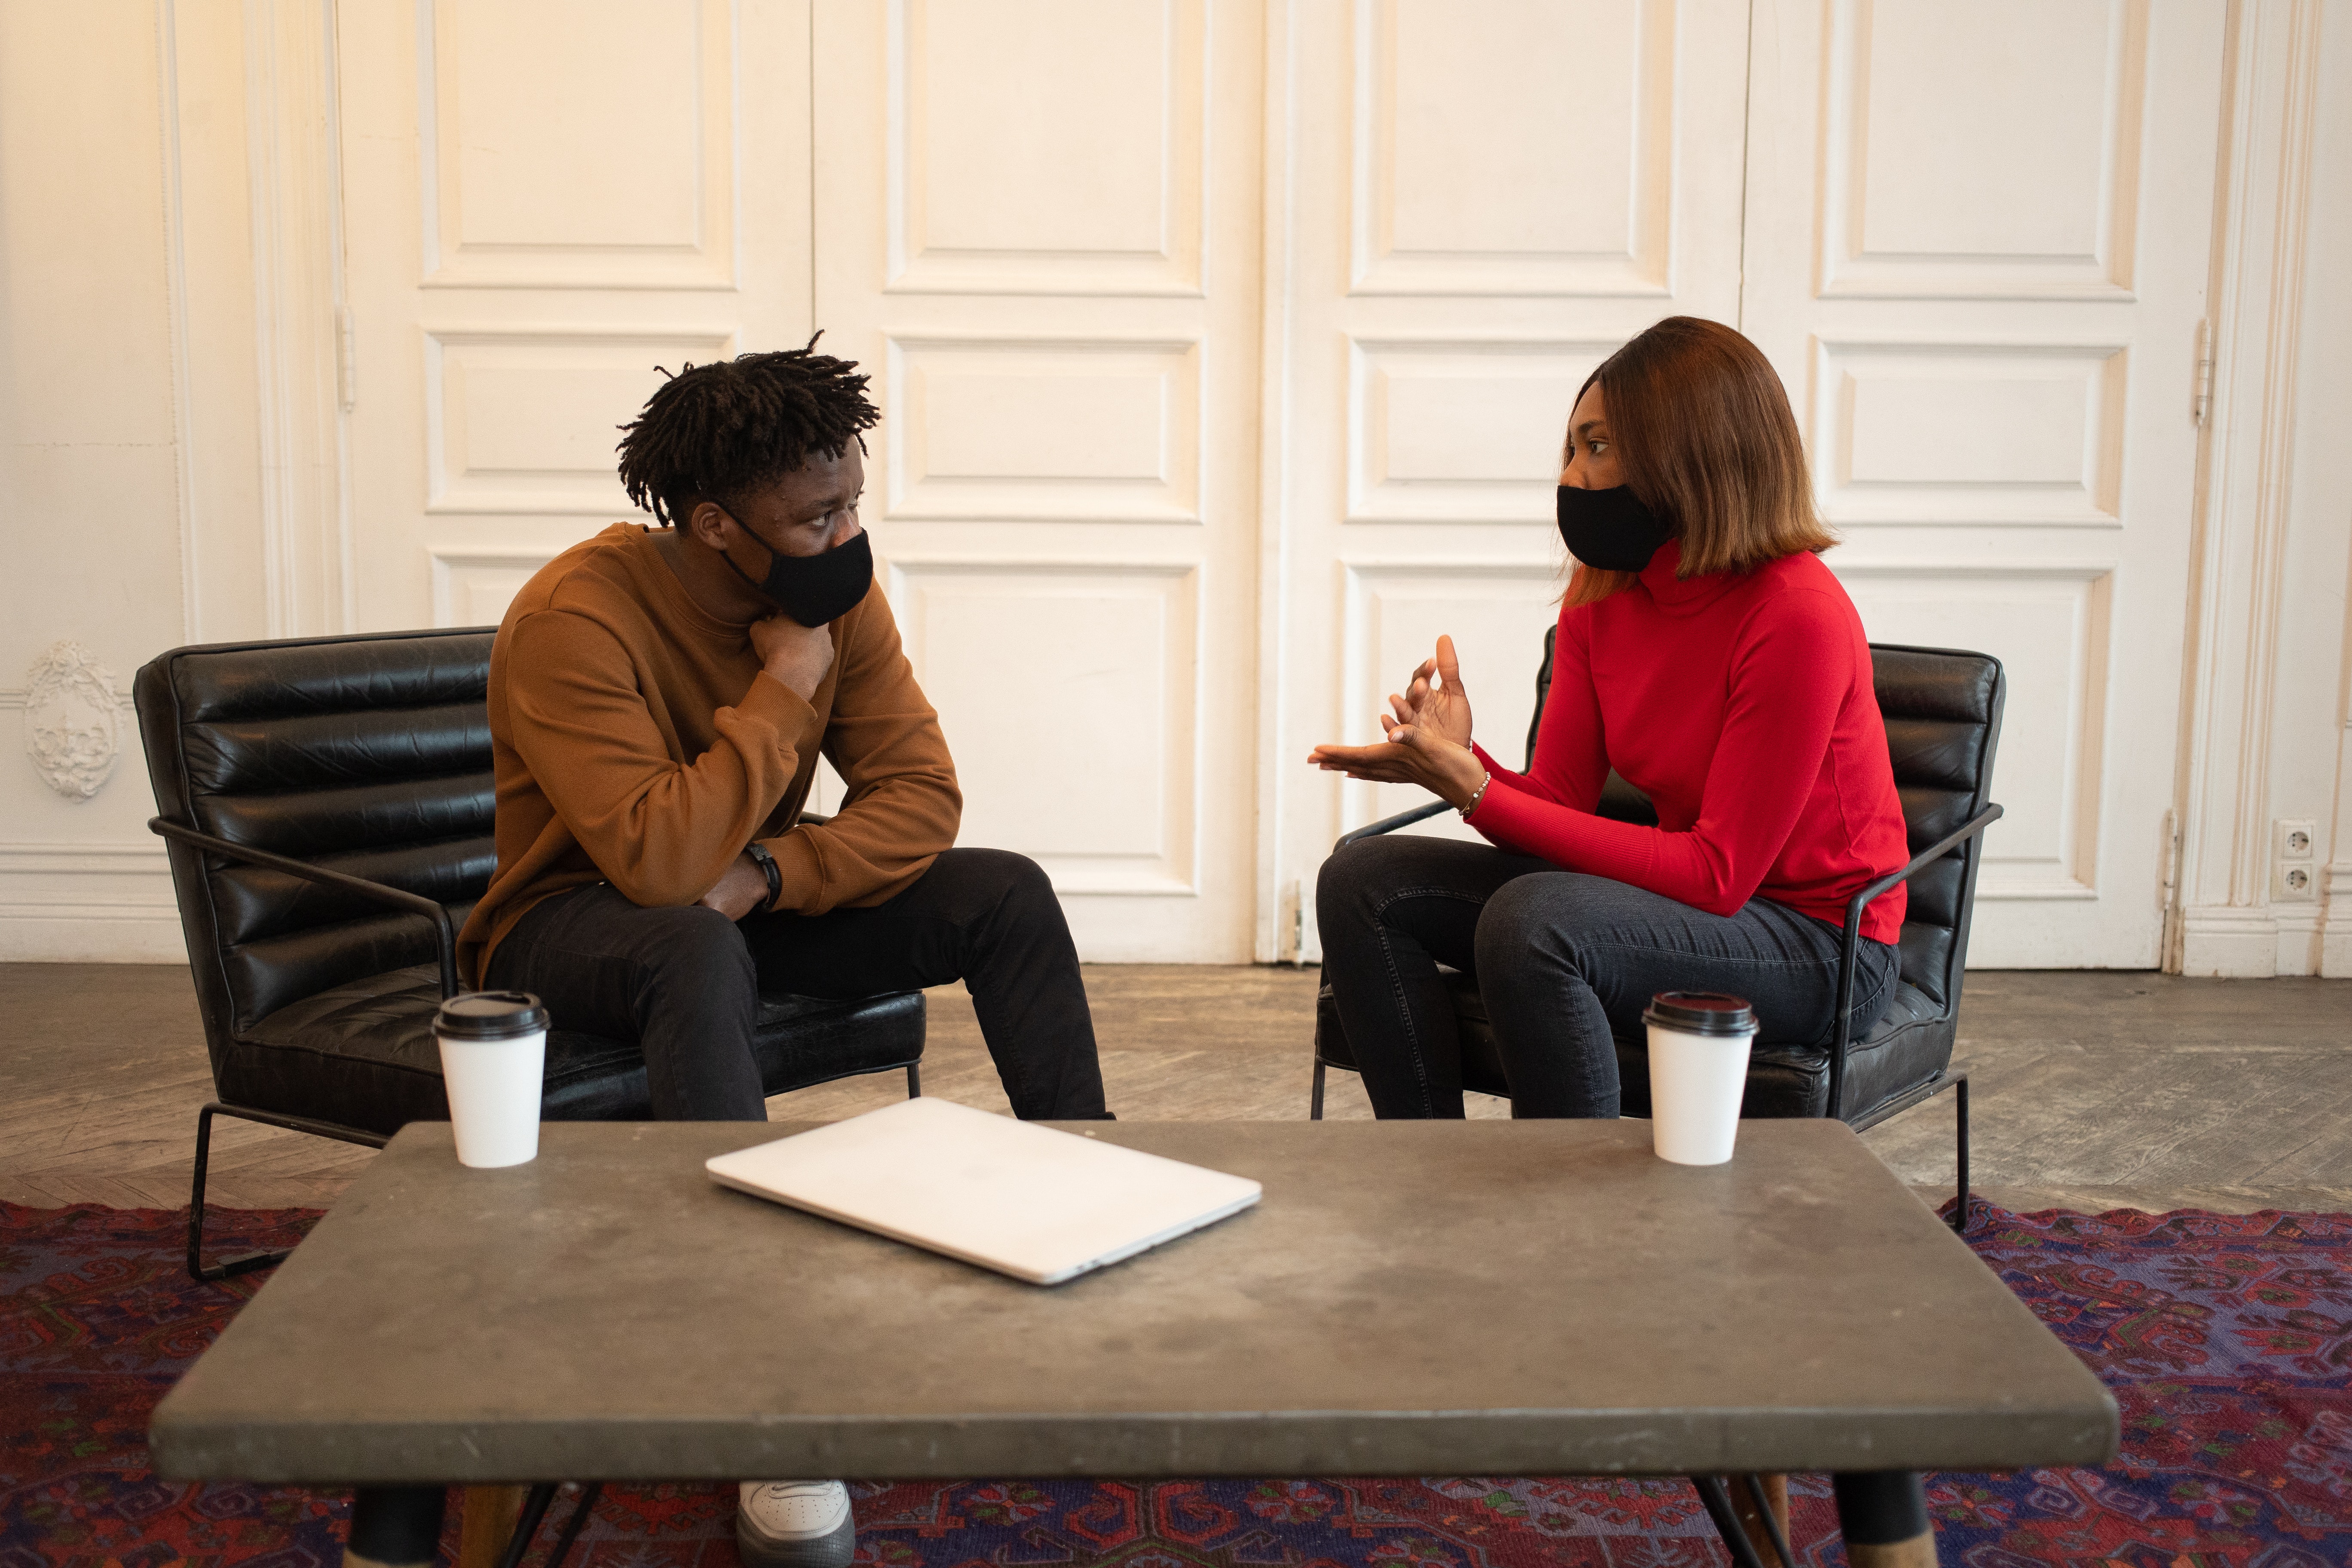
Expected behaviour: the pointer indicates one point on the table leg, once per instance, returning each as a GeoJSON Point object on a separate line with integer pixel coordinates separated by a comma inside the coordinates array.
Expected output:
{"type": "Point", "coordinates": [395, 1527]}
{"type": "Point", "coordinates": [1884, 1514]}
{"type": "Point", "coordinates": [486, 1520]}
{"type": "Point", "coordinates": [1768, 1535]}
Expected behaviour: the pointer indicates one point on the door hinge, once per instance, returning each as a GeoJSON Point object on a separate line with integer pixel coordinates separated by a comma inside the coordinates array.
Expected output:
{"type": "Point", "coordinates": [1299, 938]}
{"type": "Point", "coordinates": [2171, 884]}
{"type": "Point", "coordinates": [347, 374]}
{"type": "Point", "coordinates": [2169, 911]}
{"type": "Point", "coordinates": [2202, 405]}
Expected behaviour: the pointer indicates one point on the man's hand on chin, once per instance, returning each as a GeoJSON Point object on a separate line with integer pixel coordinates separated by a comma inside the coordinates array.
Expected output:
{"type": "Point", "coordinates": [794, 654]}
{"type": "Point", "coordinates": [740, 888]}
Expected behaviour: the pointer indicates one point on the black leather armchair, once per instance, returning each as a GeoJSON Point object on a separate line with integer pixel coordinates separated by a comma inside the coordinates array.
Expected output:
{"type": "Point", "coordinates": [328, 805]}
{"type": "Point", "coordinates": [1942, 708]}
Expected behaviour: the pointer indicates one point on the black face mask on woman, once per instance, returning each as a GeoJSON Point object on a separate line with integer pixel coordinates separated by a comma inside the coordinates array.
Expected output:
{"type": "Point", "coordinates": [814, 590]}
{"type": "Point", "coordinates": [1610, 529]}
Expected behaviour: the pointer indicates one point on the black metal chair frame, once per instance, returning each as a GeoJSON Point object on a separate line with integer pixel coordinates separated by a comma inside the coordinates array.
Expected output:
{"type": "Point", "coordinates": [444, 937]}
{"type": "Point", "coordinates": [1954, 1078]}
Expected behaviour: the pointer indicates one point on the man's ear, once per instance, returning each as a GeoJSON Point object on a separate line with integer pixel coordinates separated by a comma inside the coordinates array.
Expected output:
{"type": "Point", "coordinates": [706, 522]}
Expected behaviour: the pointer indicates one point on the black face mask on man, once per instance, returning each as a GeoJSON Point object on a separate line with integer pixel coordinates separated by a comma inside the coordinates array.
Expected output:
{"type": "Point", "coordinates": [814, 590]}
{"type": "Point", "coordinates": [1610, 529]}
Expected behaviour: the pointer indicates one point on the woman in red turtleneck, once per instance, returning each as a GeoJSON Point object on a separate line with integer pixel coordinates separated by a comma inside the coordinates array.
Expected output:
{"type": "Point", "coordinates": [1707, 655]}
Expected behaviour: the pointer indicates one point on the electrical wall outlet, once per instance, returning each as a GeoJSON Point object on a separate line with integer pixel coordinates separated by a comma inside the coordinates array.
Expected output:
{"type": "Point", "coordinates": [2295, 860]}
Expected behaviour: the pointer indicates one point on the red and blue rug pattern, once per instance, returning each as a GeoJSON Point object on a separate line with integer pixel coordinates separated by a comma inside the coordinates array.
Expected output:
{"type": "Point", "coordinates": [2226, 1338]}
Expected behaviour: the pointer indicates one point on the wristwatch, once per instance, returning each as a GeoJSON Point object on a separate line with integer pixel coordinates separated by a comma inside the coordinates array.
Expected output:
{"type": "Point", "coordinates": [767, 867]}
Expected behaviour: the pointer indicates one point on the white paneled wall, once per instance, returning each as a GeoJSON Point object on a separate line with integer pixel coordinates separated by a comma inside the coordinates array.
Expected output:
{"type": "Point", "coordinates": [1038, 225]}
{"type": "Point", "coordinates": [1223, 347]}
{"type": "Point", "coordinates": [91, 428]}
{"type": "Point", "coordinates": [1468, 224]}
{"type": "Point", "coordinates": [545, 207]}
{"type": "Point", "coordinates": [1978, 254]}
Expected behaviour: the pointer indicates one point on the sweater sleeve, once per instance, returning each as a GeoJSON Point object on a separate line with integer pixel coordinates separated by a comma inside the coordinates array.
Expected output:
{"type": "Point", "coordinates": [1789, 672]}
{"type": "Point", "coordinates": [901, 805]}
{"type": "Point", "coordinates": [660, 831]}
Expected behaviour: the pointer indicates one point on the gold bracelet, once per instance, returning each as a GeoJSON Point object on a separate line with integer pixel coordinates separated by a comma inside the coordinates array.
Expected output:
{"type": "Point", "coordinates": [1479, 794]}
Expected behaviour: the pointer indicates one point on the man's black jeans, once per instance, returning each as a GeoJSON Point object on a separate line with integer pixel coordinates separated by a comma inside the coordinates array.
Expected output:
{"type": "Point", "coordinates": [684, 982]}
{"type": "Point", "coordinates": [1565, 963]}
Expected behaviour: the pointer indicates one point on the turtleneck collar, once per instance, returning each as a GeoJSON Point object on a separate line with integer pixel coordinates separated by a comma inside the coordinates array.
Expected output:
{"type": "Point", "coordinates": [1680, 596]}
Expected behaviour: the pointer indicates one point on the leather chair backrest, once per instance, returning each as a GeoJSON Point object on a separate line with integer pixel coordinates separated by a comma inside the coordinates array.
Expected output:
{"type": "Point", "coordinates": [1942, 708]}
{"type": "Point", "coordinates": [370, 755]}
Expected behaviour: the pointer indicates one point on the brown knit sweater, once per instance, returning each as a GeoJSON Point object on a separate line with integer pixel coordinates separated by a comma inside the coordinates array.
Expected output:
{"type": "Point", "coordinates": [637, 741]}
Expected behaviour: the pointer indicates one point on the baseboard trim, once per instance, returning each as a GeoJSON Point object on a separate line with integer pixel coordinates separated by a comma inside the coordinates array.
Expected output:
{"type": "Point", "coordinates": [2229, 941]}
{"type": "Point", "coordinates": [91, 933]}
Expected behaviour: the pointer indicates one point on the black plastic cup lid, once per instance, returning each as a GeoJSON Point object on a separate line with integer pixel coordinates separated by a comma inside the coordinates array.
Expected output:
{"type": "Point", "coordinates": [1701, 1013]}
{"type": "Point", "coordinates": [490, 1016]}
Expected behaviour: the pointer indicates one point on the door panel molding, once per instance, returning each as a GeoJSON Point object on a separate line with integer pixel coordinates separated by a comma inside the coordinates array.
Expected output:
{"type": "Point", "coordinates": [2227, 920]}
{"type": "Point", "coordinates": [654, 112]}
{"type": "Point", "coordinates": [1982, 294]}
{"type": "Point", "coordinates": [1061, 214]}
{"type": "Point", "coordinates": [982, 427]}
{"type": "Point", "coordinates": [1998, 431]}
{"type": "Point", "coordinates": [293, 129]}
{"type": "Point", "coordinates": [1909, 220]}
{"type": "Point", "coordinates": [1114, 640]}
{"type": "Point", "coordinates": [1439, 176]}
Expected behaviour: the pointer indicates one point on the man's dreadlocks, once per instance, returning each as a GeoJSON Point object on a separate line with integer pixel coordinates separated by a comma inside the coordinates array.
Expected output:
{"type": "Point", "coordinates": [724, 429]}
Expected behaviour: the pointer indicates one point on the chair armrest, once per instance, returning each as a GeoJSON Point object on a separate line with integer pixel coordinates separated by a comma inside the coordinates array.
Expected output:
{"type": "Point", "coordinates": [1390, 823]}
{"type": "Point", "coordinates": [445, 935]}
{"type": "Point", "coordinates": [1853, 941]}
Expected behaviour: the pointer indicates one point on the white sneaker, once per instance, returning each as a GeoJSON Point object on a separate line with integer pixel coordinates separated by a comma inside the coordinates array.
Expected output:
{"type": "Point", "coordinates": [794, 1524]}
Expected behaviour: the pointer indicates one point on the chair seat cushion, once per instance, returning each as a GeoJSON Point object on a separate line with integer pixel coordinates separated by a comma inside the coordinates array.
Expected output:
{"type": "Point", "coordinates": [363, 1053]}
{"type": "Point", "coordinates": [1909, 1045]}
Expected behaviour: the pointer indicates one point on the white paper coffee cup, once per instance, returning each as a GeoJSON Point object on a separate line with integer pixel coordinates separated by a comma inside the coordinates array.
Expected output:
{"type": "Point", "coordinates": [493, 1062]}
{"type": "Point", "coordinates": [1699, 1070]}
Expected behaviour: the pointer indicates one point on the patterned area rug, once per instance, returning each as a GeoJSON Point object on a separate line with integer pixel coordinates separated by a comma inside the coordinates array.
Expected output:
{"type": "Point", "coordinates": [2228, 1340]}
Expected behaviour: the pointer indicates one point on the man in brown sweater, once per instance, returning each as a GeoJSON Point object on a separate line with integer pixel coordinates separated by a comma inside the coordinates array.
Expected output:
{"type": "Point", "coordinates": [658, 700]}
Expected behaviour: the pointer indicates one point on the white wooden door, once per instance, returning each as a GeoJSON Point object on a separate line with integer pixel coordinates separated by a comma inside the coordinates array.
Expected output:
{"type": "Point", "coordinates": [542, 202]}
{"type": "Point", "coordinates": [1977, 252]}
{"type": "Point", "coordinates": [1482, 202]}
{"type": "Point", "coordinates": [1037, 225]}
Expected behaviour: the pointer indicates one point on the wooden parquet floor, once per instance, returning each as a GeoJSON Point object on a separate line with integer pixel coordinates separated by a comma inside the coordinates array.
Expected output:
{"type": "Point", "coordinates": [2093, 1090]}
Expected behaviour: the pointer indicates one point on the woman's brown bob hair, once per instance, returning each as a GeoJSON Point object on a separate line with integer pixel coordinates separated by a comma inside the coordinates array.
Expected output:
{"type": "Point", "coordinates": [1702, 426]}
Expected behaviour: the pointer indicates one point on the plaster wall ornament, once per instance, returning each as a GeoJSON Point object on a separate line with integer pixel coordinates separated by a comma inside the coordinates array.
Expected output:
{"type": "Point", "coordinates": [73, 725]}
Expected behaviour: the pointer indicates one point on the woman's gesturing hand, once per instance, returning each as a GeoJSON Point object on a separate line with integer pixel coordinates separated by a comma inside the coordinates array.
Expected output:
{"type": "Point", "coordinates": [1443, 708]}
{"type": "Point", "coordinates": [1428, 737]}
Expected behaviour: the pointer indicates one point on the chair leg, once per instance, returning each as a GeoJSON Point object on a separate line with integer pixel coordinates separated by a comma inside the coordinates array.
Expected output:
{"type": "Point", "coordinates": [580, 1514]}
{"type": "Point", "coordinates": [1314, 1102]}
{"type": "Point", "coordinates": [197, 1268]}
{"type": "Point", "coordinates": [534, 1509]}
{"type": "Point", "coordinates": [1718, 1499]}
{"type": "Point", "coordinates": [914, 1081]}
{"type": "Point", "coordinates": [1961, 1124]}
{"type": "Point", "coordinates": [1764, 1515]}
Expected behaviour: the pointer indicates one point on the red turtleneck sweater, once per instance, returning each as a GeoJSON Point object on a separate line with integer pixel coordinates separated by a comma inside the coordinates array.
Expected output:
{"type": "Point", "coordinates": [1741, 704]}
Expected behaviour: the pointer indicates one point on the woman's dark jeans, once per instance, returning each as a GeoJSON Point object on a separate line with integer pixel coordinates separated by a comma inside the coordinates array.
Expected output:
{"type": "Point", "coordinates": [1565, 963]}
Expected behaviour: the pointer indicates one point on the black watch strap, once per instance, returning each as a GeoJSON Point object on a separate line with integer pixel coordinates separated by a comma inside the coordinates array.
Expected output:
{"type": "Point", "coordinates": [769, 868]}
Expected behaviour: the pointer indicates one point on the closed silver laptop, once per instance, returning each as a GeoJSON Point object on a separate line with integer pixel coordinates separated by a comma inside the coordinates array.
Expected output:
{"type": "Point", "coordinates": [1034, 1201]}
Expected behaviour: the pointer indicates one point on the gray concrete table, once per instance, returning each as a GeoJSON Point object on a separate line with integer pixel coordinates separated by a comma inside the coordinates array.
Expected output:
{"type": "Point", "coordinates": [1410, 1298]}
